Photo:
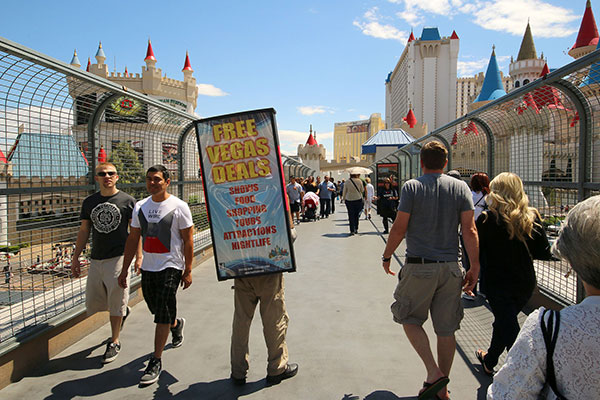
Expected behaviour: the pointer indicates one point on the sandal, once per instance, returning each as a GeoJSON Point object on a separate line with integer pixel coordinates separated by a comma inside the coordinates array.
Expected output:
{"type": "Point", "coordinates": [481, 357]}
{"type": "Point", "coordinates": [431, 389]}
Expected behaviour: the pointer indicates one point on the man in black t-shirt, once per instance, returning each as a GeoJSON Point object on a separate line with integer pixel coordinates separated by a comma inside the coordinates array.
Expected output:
{"type": "Point", "coordinates": [107, 214]}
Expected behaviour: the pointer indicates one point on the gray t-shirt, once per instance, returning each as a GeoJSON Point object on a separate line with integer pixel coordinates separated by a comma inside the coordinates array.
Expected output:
{"type": "Point", "coordinates": [434, 202]}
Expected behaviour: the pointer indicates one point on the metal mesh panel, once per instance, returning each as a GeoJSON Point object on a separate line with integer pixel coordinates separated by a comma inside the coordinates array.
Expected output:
{"type": "Point", "coordinates": [547, 133]}
{"type": "Point", "coordinates": [56, 124]}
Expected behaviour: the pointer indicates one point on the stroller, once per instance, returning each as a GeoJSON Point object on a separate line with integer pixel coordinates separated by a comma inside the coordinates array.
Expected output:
{"type": "Point", "coordinates": [311, 202]}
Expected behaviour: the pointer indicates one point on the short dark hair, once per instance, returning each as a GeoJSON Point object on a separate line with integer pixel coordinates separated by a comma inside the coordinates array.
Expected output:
{"type": "Point", "coordinates": [480, 182]}
{"type": "Point", "coordinates": [160, 168]}
{"type": "Point", "coordinates": [434, 155]}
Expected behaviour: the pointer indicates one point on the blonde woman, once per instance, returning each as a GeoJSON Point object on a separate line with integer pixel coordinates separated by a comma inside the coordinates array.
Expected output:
{"type": "Point", "coordinates": [510, 235]}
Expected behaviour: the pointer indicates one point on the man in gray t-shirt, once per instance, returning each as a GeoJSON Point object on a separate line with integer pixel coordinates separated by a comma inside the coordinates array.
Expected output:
{"type": "Point", "coordinates": [430, 211]}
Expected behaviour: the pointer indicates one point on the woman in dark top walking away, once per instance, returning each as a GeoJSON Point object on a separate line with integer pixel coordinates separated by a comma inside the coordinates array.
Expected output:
{"type": "Point", "coordinates": [387, 202]}
{"type": "Point", "coordinates": [510, 237]}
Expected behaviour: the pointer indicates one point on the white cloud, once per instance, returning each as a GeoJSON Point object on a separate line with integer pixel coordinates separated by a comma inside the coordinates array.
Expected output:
{"type": "Point", "coordinates": [510, 16]}
{"type": "Point", "coordinates": [370, 25]}
{"type": "Point", "coordinates": [546, 21]}
{"type": "Point", "coordinates": [470, 68]}
{"type": "Point", "coordinates": [363, 116]}
{"type": "Point", "coordinates": [206, 89]}
{"type": "Point", "coordinates": [413, 18]}
{"type": "Point", "coordinates": [311, 110]}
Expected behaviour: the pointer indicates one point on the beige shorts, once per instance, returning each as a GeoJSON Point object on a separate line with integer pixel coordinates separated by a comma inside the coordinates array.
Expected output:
{"type": "Point", "coordinates": [434, 288]}
{"type": "Point", "coordinates": [102, 290]}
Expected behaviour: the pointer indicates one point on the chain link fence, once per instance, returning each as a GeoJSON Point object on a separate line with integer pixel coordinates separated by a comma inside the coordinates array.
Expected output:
{"type": "Point", "coordinates": [56, 123]}
{"type": "Point", "coordinates": [548, 133]}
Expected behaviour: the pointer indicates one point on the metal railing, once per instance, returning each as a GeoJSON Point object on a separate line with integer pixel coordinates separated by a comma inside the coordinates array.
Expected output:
{"type": "Point", "coordinates": [56, 123]}
{"type": "Point", "coordinates": [547, 132]}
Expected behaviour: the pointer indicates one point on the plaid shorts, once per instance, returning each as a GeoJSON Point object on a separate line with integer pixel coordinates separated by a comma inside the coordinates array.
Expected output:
{"type": "Point", "coordinates": [159, 289]}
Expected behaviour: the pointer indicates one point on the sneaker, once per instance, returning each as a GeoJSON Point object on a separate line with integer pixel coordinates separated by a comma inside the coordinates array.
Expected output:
{"type": "Point", "coordinates": [290, 371]}
{"type": "Point", "coordinates": [177, 333]}
{"type": "Point", "coordinates": [112, 351]}
{"type": "Point", "coordinates": [125, 316]}
{"type": "Point", "coordinates": [385, 232]}
{"type": "Point", "coordinates": [152, 371]}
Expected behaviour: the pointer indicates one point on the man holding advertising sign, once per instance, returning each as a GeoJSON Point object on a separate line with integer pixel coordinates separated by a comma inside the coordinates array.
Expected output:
{"type": "Point", "coordinates": [165, 225]}
{"type": "Point", "coordinates": [250, 226]}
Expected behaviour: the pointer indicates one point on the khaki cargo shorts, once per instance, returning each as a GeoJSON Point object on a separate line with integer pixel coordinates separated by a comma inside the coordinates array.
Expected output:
{"type": "Point", "coordinates": [434, 288]}
{"type": "Point", "coordinates": [102, 291]}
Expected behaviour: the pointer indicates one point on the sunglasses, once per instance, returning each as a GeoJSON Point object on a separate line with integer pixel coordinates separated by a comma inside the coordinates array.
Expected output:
{"type": "Point", "coordinates": [109, 173]}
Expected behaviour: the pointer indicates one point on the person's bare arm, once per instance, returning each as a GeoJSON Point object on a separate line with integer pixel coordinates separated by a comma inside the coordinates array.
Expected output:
{"type": "Point", "coordinates": [82, 237]}
{"type": "Point", "coordinates": [396, 237]}
{"type": "Point", "coordinates": [187, 235]}
{"type": "Point", "coordinates": [131, 248]}
{"type": "Point", "coordinates": [471, 240]}
{"type": "Point", "coordinates": [139, 254]}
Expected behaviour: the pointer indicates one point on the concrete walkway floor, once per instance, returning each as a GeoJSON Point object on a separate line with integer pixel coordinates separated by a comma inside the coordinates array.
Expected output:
{"type": "Point", "coordinates": [341, 334]}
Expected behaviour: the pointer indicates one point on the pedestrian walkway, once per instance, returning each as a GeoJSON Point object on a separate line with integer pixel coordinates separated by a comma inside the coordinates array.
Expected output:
{"type": "Point", "coordinates": [341, 334]}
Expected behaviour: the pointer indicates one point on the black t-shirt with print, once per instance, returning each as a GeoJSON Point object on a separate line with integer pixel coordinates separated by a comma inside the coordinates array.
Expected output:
{"type": "Point", "coordinates": [110, 223]}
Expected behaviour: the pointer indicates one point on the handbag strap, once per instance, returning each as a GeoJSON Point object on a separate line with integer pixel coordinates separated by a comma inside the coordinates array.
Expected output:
{"type": "Point", "coordinates": [550, 333]}
{"type": "Point", "coordinates": [354, 183]}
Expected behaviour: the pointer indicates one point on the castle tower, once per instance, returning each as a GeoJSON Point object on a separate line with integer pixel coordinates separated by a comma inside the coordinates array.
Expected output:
{"type": "Point", "coordinates": [151, 76]}
{"type": "Point", "coordinates": [75, 60]}
{"type": "Point", "coordinates": [425, 76]}
{"type": "Point", "coordinates": [100, 68]}
{"type": "Point", "coordinates": [587, 38]}
{"type": "Point", "coordinates": [528, 66]}
{"type": "Point", "coordinates": [312, 153]}
{"type": "Point", "coordinates": [492, 87]}
{"type": "Point", "coordinates": [191, 89]}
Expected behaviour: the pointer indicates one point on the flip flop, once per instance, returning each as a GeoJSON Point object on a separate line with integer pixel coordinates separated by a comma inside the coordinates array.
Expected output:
{"type": "Point", "coordinates": [432, 388]}
{"type": "Point", "coordinates": [480, 357]}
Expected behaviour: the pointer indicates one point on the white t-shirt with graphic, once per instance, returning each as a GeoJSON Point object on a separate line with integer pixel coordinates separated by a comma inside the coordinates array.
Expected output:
{"type": "Point", "coordinates": [160, 223]}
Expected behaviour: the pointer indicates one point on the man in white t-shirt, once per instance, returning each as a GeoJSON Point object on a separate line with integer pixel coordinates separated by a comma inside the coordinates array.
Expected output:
{"type": "Point", "coordinates": [164, 222]}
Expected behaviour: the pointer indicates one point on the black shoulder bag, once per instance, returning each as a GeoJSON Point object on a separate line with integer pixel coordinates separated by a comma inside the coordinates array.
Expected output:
{"type": "Point", "coordinates": [550, 333]}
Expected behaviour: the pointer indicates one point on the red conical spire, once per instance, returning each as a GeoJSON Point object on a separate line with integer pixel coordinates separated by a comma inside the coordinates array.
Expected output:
{"type": "Point", "coordinates": [545, 70]}
{"type": "Point", "coordinates": [150, 52]}
{"type": "Point", "coordinates": [411, 37]}
{"type": "Point", "coordinates": [187, 66]}
{"type": "Point", "coordinates": [311, 140]}
{"type": "Point", "coordinates": [588, 32]}
{"type": "Point", "coordinates": [126, 73]}
{"type": "Point", "coordinates": [410, 118]}
{"type": "Point", "coordinates": [87, 69]}
{"type": "Point", "coordinates": [102, 155]}
{"type": "Point", "coordinates": [454, 35]}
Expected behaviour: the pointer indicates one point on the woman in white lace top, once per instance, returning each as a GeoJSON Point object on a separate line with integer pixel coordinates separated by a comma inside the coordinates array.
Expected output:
{"type": "Point", "coordinates": [577, 352]}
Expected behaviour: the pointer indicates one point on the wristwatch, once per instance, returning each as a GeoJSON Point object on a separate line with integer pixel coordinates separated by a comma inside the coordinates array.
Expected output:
{"type": "Point", "coordinates": [385, 259]}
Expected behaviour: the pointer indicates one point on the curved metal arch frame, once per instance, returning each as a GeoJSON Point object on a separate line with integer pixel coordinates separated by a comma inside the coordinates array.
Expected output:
{"type": "Point", "coordinates": [180, 156]}
{"type": "Point", "coordinates": [490, 145]}
{"type": "Point", "coordinates": [585, 139]}
{"type": "Point", "coordinates": [92, 130]}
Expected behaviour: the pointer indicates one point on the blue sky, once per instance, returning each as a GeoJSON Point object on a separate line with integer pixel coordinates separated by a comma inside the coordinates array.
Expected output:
{"type": "Point", "coordinates": [315, 62]}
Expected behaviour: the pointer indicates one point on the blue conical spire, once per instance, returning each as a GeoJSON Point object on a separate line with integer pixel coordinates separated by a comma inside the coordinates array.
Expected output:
{"type": "Point", "coordinates": [492, 88]}
{"type": "Point", "coordinates": [75, 60]}
{"type": "Point", "coordinates": [594, 74]}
